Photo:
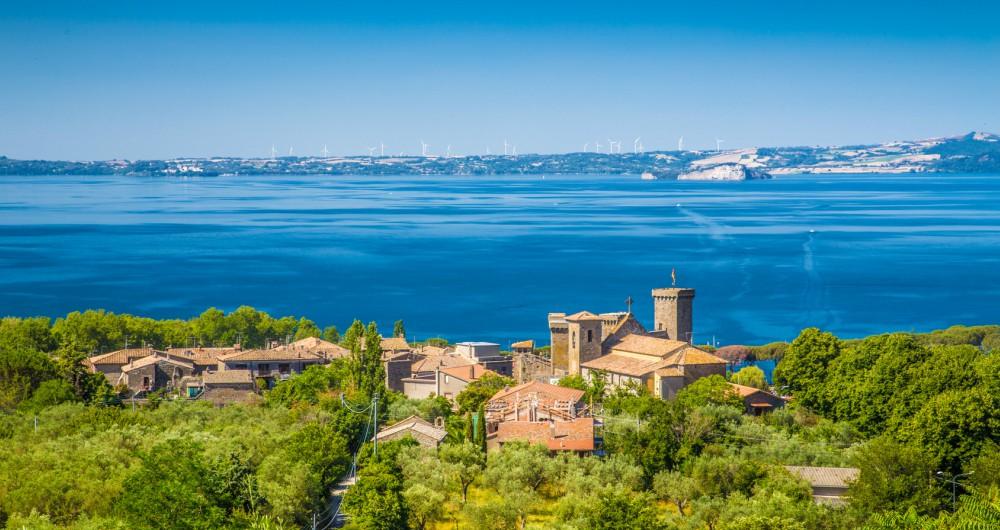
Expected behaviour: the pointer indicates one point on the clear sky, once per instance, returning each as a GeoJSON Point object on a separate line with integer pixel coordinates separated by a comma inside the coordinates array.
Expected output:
{"type": "Point", "coordinates": [162, 79]}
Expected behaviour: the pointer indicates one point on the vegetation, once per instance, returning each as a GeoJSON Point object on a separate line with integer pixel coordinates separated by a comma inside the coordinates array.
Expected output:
{"type": "Point", "coordinates": [909, 411]}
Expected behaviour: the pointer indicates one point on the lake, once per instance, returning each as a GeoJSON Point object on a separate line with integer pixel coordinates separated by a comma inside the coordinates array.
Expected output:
{"type": "Point", "coordinates": [485, 258]}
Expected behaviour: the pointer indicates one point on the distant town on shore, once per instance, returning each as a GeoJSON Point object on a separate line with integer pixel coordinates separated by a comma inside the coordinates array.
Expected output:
{"type": "Point", "coordinates": [976, 152]}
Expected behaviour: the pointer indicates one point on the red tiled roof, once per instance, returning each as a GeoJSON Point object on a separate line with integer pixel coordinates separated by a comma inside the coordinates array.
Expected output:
{"type": "Point", "coordinates": [547, 394]}
{"type": "Point", "coordinates": [523, 344]}
{"type": "Point", "coordinates": [121, 356]}
{"type": "Point", "coordinates": [434, 362]}
{"type": "Point", "coordinates": [271, 355]}
{"type": "Point", "coordinates": [583, 316]}
{"type": "Point", "coordinates": [646, 345]}
{"type": "Point", "coordinates": [574, 435]}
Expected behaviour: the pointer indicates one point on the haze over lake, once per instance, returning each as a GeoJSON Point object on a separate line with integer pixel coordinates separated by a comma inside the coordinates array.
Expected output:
{"type": "Point", "coordinates": [485, 258]}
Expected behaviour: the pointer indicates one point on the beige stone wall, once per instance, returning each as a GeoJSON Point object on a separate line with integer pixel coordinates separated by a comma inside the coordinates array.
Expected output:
{"type": "Point", "coordinates": [584, 343]}
{"type": "Point", "coordinates": [559, 341]}
{"type": "Point", "coordinates": [673, 312]}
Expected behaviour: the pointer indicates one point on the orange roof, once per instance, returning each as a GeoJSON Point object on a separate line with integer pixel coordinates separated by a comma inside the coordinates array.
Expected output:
{"type": "Point", "coordinates": [154, 359]}
{"type": "Point", "coordinates": [394, 344]}
{"type": "Point", "coordinates": [228, 377]}
{"type": "Point", "coordinates": [573, 435]}
{"type": "Point", "coordinates": [435, 362]}
{"type": "Point", "coordinates": [692, 355]}
{"type": "Point", "coordinates": [547, 394]}
{"type": "Point", "coordinates": [626, 364]}
{"type": "Point", "coordinates": [467, 373]}
{"type": "Point", "coordinates": [583, 316]}
{"type": "Point", "coordinates": [121, 356]}
{"type": "Point", "coordinates": [670, 371]}
{"type": "Point", "coordinates": [646, 345]}
{"type": "Point", "coordinates": [201, 353]}
{"type": "Point", "coordinates": [270, 355]}
{"type": "Point", "coordinates": [523, 344]}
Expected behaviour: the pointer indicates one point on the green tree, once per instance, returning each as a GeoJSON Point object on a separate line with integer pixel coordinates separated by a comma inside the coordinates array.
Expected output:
{"type": "Point", "coordinates": [803, 369]}
{"type": "Point", "coordinates": [376, 501]}
{"type": "Point", "coordinates": [622, 510]}
{"type": "Point", "coordinates": [21, 372]}
{"type": "Point", "coordinates": [306, 328]}
{"type": "Point", "coordinates": [954, 426]}
{"type": "Point", "coordinates": [711, 390]}
{"type": "Point", "coordinates": [50, 393]}
{"type": "Point", "coordinates": [480, 391]}
{"type": "Point", "coordinates": [672, 486]}
{"type": "Point", "coordinates": [465, 464]}
{"type": "Point", "coordinates": [173, 475]}
{"type": "Point", "coordinates": [894, 477]}
{"type": "Point", "coordinates": [398, 329]}
{"type": "Point", "coordinates": [751, 376]}
{"type": "Point", "coordinates": [331, 334]}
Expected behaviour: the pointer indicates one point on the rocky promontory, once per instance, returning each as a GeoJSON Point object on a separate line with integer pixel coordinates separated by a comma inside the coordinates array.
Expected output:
{"type": "Point", "coordinates": [725, 172]}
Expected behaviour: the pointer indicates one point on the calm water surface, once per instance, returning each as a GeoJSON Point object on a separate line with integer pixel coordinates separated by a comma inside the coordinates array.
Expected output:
{"type": "Point", "coordinates": [486, 258]}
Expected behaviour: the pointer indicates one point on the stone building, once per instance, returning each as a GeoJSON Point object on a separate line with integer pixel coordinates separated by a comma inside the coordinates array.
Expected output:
{"type": "Point", "coordinates": [757, 401]}
{"type": "Point", "coordinates": [270, 365]}
{"type": "Point", "coordinates": [534, 401]}
{"type": "Point", "coordinates": [584, 336]}
{"type": "Point", "coordinates": [155, 372]}
{"type": "Point", "coordinates": [421, 430]}
{"type": "Point", "coordinates": [487, 354]}
{"type": "Point", "coordinates": [110, 364]}
{"type": "Point", "coordinates": [661, 366]}
{"type": "Point", "coordinates": [446, 382]}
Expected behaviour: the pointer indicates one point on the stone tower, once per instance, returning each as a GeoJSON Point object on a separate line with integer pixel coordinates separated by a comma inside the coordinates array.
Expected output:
{"type": "Point", "coordinates": [672, 312]}
{"type": "Point", "coordinates": [584, 339]}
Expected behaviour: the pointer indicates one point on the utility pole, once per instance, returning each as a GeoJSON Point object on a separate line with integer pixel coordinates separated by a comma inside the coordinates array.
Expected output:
{"type": "Point", "coordinates": [375, 431]}
{"type": "Point", "coordinates": [953, 480]}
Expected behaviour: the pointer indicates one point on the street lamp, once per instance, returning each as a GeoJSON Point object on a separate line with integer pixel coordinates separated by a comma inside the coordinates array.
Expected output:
{"type": "Point", "coordinates": [953, 480]}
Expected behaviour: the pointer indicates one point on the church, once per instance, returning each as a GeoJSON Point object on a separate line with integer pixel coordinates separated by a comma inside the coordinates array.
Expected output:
{"type": "Point", "coordinates": [620, 347]}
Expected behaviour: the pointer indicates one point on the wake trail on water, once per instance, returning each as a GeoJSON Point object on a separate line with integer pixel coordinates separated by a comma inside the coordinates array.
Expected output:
{"type": "Point", "coordinates": [716, 231]}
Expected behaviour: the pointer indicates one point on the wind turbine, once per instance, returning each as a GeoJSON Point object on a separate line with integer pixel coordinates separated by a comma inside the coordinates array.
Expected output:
{"type": "Point", "coordinates": [585, 146]}
{"type": "Point", "coordinates": [680, 143]}
{"type": "Point", "coordinates": [423, 148]}
{"type": "Point", "coordinates": [290, 150]}
{"type": "Point", "coordinates": [598, 148]}
{"type": "Point", "coordinates": [371, 151]}
{"type": "Point", "coordinates": [505, 144]}
{"type": "Point", "coordinates": [447, 152]}
{"type": "Point", "coordinates": [326, 152]}
{"type": "Point", "coordinates": [718, 144]}
{"type": "Point", "coordinates": [636, 145]}
{"type": "Point", "coordinates": [381, 147]}
{"type": "Point", "coordinates": [514, 153]}
{"type": "Point", "coordinates": [274, 151]}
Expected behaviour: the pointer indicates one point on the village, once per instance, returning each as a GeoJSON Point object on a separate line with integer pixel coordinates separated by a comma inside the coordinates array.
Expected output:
{"type": "Point", "coordinates": [614, 346]}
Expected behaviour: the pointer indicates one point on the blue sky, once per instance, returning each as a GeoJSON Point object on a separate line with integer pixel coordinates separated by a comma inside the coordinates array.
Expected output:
{"type": "Point", "coordinates": [163, 79]}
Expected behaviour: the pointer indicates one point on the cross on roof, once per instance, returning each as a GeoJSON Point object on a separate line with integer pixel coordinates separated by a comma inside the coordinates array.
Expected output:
{"type": "Point", "coordinates": [628, 302]}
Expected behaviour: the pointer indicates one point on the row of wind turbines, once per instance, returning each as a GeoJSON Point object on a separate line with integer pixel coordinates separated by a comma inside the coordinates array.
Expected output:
{"type": "Point", "coordinates": [509, 149]}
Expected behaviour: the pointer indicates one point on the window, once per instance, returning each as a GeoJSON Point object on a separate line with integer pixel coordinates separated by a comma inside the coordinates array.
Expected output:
{"type": "Point", "coordinates": [264, 367]}
{"type": "Point", "coordinates": [283, 368]}
{"type": "Point", "coordinates": [573, 336]}
{"type": "Point", "coordinates": [590, 335]}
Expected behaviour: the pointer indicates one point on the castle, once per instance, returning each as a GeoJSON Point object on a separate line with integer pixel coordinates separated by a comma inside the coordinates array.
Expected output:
{"type": "Point", "coordinates": [581, 337]}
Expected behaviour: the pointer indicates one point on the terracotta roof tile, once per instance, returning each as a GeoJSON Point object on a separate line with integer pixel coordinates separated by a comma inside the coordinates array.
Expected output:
{"type": "Point", "coordinates": [547, 394]}
{"type": "Point", "coordinates": [523, 344]}
{"type": "Point", "coordinates": [646, 345]}
{"type": "Point", "coordinates": [626, 364]}
{"type": "Point", "coordinates": [417, 424]}
{"type": "Point", "coordinates": [432, 363]}
{"type": "Point", "coordinates": [121, 356]}
{"type": "Point", "coordinates": [583, 316]}
{"type": "Point", "coordinates": [835, 477]}
{"type": "Point", "coordinates": [574, 435]}
{"type": "Point", "coordinates": [154, 359]}
{"type": "Point", "coordinates": [228, 377]}
{"type": "Point", "coordinates": [394, 344]}
{"type": "Point", "coordinates": [271, 355]}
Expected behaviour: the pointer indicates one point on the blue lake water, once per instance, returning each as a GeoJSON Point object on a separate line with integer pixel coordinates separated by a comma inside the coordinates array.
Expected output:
{"type": "Point", "coordinates": [485, 258]}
